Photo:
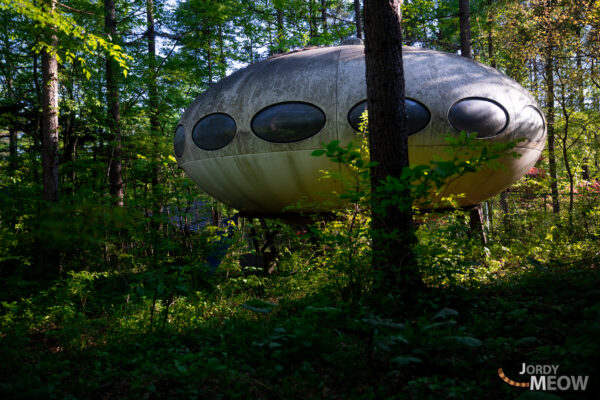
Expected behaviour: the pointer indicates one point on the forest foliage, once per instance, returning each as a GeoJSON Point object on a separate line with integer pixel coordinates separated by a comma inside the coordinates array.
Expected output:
{"type": "Point", "coordinates": [151, 299]}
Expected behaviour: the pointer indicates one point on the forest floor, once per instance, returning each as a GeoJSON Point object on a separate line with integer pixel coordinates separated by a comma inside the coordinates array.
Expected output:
{"type": "Point", "coordinates": [238, 335]}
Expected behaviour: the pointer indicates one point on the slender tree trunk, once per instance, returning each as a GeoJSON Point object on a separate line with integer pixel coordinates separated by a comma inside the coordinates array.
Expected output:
{"type": "Point", "coordinates": [12, 134]}
{"type": "Point", "coordinates": [13, 163]}
{"type": "Point", "coordinates": [115, 173]}
{"type": "Point", "coordinates": [551, 136]}
{"type": "Point", "coordinates": [504, 202]}
{"type": "Point", "coordinates": [324, 16]}
{"type": "Point", "coordinates": [476, 222]}
{"type": "Point", "coordinates": [39, 124]}
{"type": "Point", "coordinates": [585, 170]}
{"type": "Point", "coordinates": [209, 62]}
{"type": "Point", "coordinates": [311, 19]}
{"type": "Point", "coordinates": [492, 57]}
{"type": "Point", "coordinates": [153, 111]}
{"type": "Point", "coordinates": [393, 230]}
{"type": "Point", "coordinates": [358, 19]}
{"type": "Point", "coordinates": [50, 118]}
{"type": "Point", "coordinates": [70, 140]}
{"type": "Point", "coordinates": [280, 31]}
{"type": "Point", "coordinates": [475, 213]}
{"type": "Point", "coordinates": [568, 169]}
{"type": "Point", "coordinates": [465, 28]}
{"type": "Point", "coordinates": [491, 50]}
{"type": "Point", "coordinates": [69, 146]}
{"type": "Point", "coordinates": [222, 64]}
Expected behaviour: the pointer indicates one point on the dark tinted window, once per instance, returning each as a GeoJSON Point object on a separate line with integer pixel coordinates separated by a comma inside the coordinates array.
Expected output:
{"type": "Point", "coordinates": [482, 116]}
{"type": "Point", "coordinates": [288, 122]}
{"type": "Point", "coordinates": [214, 131]}
{"type": "Point", "coordinates": [418, 116]}
{"type": "Point", "coordinates": [179, 141]}
{"type": "Point", "coordinates": [355, 113]}
{"type": "Point", "coordinates": [531, 123]}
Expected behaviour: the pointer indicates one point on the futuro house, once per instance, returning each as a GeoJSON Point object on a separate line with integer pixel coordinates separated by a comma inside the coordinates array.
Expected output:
{"type": "Point", "coordinates": [248, 139]}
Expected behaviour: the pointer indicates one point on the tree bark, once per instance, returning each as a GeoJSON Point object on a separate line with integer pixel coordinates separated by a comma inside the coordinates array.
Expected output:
{"type": "Point", "coordinates": [393, 230]}
{"type": "Point", "coordinates": [115, 173]}
{"type": "Point", "coordinates": [12, 133]}
{"type": "Point", "coordinates": [39, 123]}
{"type": "Point", "coordinates": [492, 58]}
{"type": "Point", "coordinates": [475, 213]}
{"type": "Point", "coordinates": [491, 50]}
{"type": "Point", "coordinates": [280, 31]}
{"type": "Point", "coordinates": [70, 139]}
{"type": "Point", "coordinates": [324, 16]}
{"type": "Point", "coordinates": [358, 19]}
{"type": "Point", "coordinates": [549, 70]}
{"type": "Point", "coordinates": [50, 118]}
{"type": "Point", "coordinates": [311, 19]}
{"type": "Point", "coordinates": [153, 94]}
{"type": "Point", "coordinates": [12, 149]}
{"type": "Point", "coordinates": [476, 223]}
{"type": "Point", "coordinates": [465, 28]}
{"type": "Point", "coordinates": [504, 202]}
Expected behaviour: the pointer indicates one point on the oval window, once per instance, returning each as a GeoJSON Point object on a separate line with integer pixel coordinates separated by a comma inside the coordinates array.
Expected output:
{"type": "Point", "coordinates": [417, 115]}
{"type": "Point", "coordinates": [482, 116]}
{"type": "Point", "coordinates": [531, 123]}
{"type": "Point", "coordinates": [288, 122]}
{"type": "Point", "coordinates": [179, 141]}
{"type": "Point", "coordinates": [214, 131]}
{"type": "Point", "coordinates": [355, 113]}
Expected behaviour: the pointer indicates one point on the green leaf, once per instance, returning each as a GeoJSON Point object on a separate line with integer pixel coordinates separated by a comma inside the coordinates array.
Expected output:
{"type": "Point", "coordinates": [438, 324]}
{"type": "Point", "coordinates": [388, 323]}
{"type": "Point", "coordinates": [318, 153]}
{"type": "Point", "coordinates": [526, 341]}
{"type": "Point", "coordinates": [445, 313]}
{"type": "Point", "coordinates": [537, 264]}
{"type": "Point", "coordinates": [403, 361]}
{"type": "Point", "coordinates": [465, 341]}
{"type": "Point", "coordinates": [259, 306]}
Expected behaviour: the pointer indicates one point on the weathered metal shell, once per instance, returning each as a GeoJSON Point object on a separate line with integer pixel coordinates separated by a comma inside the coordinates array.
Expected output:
{"type": "Point", "coordinates": [260, 176]}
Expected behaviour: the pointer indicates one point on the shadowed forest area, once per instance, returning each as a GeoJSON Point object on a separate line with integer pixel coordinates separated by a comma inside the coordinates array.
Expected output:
{"type": "Point", "coordinates": [121, 279]}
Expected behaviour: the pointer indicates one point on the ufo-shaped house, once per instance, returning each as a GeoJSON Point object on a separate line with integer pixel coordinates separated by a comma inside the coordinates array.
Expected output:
{"type": "Point", "coordinates": [248, 139]}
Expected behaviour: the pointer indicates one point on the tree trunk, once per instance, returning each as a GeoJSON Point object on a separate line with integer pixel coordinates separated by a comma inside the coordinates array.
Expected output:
{"type": "Point", "coordinates": [70, 140]}
{"type": "Point", "coordinates": [465, 28]}
{"type": "Point", "coordinates": [475, 213]}
{"type": "Point", "coordinates": [492, 60]}
{"type": "Point", "coordinates": [585, 170]}
{"type": "Point", "coordinates": [39, 123]}
{"type": "Point", "coordinates": [358, 19]}
{"type": "Point", "coordinates": [115, 173]}
{"type": "Point", "coordinates": [476, 223]}
{"type": "Point", "coordinates": [504, 202]}
{"type": "Point", "coordinates": [551, 135]}
{"type": "Point", "coordinates": [209, 61]}
{"type": "Point", "coordinates": [393, 230]}
{"type": "Point", "coordinates": [222, 64]}
{"type": "Point", "coordinates": [568, 169]}
{"type": "Point", "coordinates": [12, 134]}
{"type": "Point", "coordinates": [280, 31]}
{"type": "Point", "coordinates": [324, 16]}
{"type": "Point", "coordinates": [12, 149]}
{"type": "Point", "coordinates": [491, 50]}
{"type": "Point", "coordinates": [153, 97]}
{"type": "Point", "coordinates": [311, 19]}
{"type": "Point", "coordinates": [50, 118]}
